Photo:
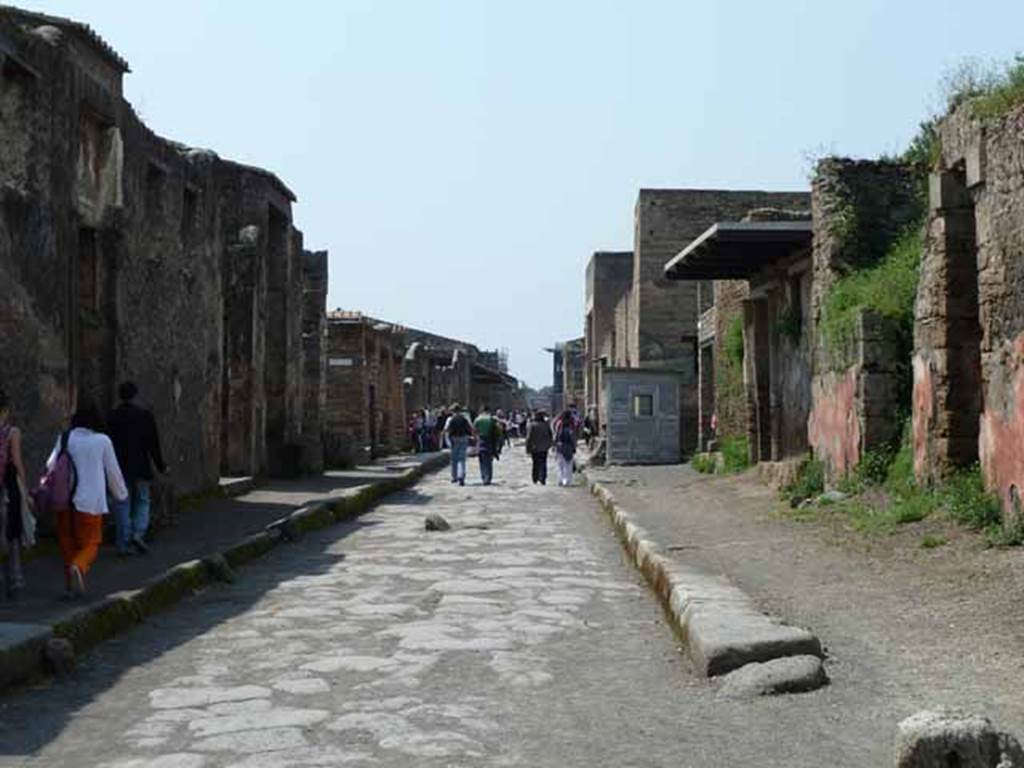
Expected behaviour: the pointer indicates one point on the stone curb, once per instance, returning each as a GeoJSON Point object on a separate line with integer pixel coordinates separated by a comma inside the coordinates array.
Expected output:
{"type": "Point", "coordinates": [719, 624]}
{"type": "Point", "coordinates": [24, 659]}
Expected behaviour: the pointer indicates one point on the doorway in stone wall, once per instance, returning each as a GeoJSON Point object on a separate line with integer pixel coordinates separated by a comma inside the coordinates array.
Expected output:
{"type": "Point", "coordinates": [707, 396]}
{"type": "Point", "coordinates": [963, 395]}
{"type": "Point", "coordinates": [94, 352]}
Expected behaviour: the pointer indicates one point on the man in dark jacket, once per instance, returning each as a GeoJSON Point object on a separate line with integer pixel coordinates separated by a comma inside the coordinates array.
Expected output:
{"type": "Point", "coordinates": [137, 444]}
{"type": "Point", "coordinates": [538, 443]}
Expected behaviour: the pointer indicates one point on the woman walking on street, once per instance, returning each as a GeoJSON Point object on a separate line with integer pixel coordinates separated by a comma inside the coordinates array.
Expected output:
{"type": "Point", "coordinates": [565, 447]}
{"type": "Point", "coordinates": [16, 522]}
{"type": "Point", "coordinates": [538, 443]}
{"type": "Point", "coordinates": [80, 529]}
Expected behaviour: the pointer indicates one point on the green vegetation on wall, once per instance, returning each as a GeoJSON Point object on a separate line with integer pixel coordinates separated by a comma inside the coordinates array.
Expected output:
{"type": "Point", "coordinates": [888, 289]}
{"type": "Point", "coordinates": [729, 375]}
{"type": "Point", "coordinates": [734, 341]}
{"type": "Point", "coordinates": [989, 91]}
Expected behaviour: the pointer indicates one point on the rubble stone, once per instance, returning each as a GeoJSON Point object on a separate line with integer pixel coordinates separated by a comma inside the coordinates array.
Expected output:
{"type": "Point", "coordinates": [943, 737]}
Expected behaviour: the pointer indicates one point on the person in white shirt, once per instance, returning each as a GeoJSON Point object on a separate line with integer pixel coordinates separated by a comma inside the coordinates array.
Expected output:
{"type": "Point", "coordinates": [80, 529]}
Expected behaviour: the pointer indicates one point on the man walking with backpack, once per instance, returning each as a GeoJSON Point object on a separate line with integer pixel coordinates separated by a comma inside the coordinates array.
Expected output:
{"type": "Point", "coordinates": [458, 431]}
{"type": "Point", "coordinates": [490, 439]}
{"type": "Point", "coordinates": [137, 444]}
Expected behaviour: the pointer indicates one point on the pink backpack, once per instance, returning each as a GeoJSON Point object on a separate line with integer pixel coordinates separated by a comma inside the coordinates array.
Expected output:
{"type": "Point", "coordinates": [57, 485]}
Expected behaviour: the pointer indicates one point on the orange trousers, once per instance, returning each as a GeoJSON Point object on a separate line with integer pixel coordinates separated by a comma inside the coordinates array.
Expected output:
{"type": "Point", "coordinates": [79, 536]}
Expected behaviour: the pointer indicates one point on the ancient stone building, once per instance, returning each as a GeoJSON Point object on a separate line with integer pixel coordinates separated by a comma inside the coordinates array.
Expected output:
{"type": "Point", "coordinates": [860, 208]}
{"type": "Point", "coordinates": [754, 365]}
{"type": "Point", "coordinates": [608, 282]}
{"type": "Point", "coordinates": [378, 373]}
{"type": "Point", "coordinates": [492, 385]}
{"type": "Point", "coordinates": [125, 255]}
{"type": "Point", "coordinates": [768, 368]}
{"type": "Point", "coordinates": [574, 365]}
{"type": "Point", "coordinates": [365, 414]}
{"type": "Point", "coordinates": [968, 364]}
{"type": "Point", "coordinates": [661, 330]}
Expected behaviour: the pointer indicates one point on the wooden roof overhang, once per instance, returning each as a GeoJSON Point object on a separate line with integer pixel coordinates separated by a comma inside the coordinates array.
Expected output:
{"type": "Point", "coordinates": [736, 250]}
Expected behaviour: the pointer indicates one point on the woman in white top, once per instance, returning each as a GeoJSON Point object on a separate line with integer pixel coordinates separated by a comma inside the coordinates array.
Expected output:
{"type": "Point", "coordinates": [80, 530]}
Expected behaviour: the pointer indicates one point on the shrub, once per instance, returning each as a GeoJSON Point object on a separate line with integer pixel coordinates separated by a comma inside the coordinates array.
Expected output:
{"type": "Point", "coordinates": [925, 148]}
{"type": "Point", "coordinates": [735, 454]}
{"type": "Point", "coordinates": [1002, 536]}
{"type": "Point", "coordinates": [809, 483]}
{"type": "Point", "coordinates": [912, 507]}
{"type": "Point", "coordinates": [967, 501]}
{"type": "Point", "coordinates": [888, 288]}
{"type": "Point", "coordinates": [873, 468]}
{"type": "Point", "coordinates": [1003, 92]}
{"type": "Point", "coordinates": [703, 462]}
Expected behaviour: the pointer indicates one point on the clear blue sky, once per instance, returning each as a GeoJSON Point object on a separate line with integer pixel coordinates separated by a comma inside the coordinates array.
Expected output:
{"type": "Point", "coordinates": [461, 160]}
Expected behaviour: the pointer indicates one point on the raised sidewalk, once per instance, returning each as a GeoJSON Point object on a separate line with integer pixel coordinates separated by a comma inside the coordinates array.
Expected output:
{"type": "Point", "coordinates": [206, 543]}
{"type": "Point", "coordinates": [902, 627]}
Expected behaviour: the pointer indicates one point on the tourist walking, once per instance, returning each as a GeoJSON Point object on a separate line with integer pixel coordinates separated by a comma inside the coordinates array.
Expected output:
{"type": "Point", "coordinates": [136, 441]}
{"type": "Point", "coordinates": [458, 430]}
{"type": "Point", "coordinates": [490, 439]}
{"type": "Point", "coordinates": [80, 527]}
{"type": "Point", "coordinates": [538, 443]}
{"type": "Point", "coordinates": [565, 447]}
{"type": "Point", "coordinates": [17, 525]}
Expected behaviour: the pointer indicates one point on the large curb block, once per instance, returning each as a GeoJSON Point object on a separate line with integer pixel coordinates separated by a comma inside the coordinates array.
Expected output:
{"type": "Point", "coordinates": [22, 654]}
{"type": "Point", "coordinates": [721, 627]}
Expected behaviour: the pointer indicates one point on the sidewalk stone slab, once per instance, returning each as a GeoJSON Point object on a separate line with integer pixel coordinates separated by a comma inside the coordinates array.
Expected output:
{"type": "Point", "coordinates": [791, 674]}
{"type": "Point", "coordinates": [21, 646]}
{"type": "Point", "coordinates": [722, 627]}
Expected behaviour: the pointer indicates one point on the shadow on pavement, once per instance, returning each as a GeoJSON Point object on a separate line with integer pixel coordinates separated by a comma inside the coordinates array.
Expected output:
{"type": "Point", "coordinates": [32, 717]}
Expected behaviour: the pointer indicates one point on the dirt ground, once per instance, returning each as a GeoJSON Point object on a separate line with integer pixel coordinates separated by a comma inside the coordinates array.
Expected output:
{"type": "Point", "coordinates": [918, 627]}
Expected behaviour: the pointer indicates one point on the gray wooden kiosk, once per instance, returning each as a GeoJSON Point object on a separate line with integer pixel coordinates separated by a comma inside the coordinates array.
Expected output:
{"type": "Point", "coordinates": [643, 416]}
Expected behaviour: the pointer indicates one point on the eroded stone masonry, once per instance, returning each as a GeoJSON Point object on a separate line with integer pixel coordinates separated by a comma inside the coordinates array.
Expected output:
{"type": "Point", "coordinates": [968, 398]}
{"type": "Point", "coordinates": [127, 255]}
{"type": "Point", "coordinates": [736, 292]}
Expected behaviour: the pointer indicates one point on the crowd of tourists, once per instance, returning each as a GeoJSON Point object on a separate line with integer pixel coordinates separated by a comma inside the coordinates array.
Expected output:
{"type": "Point", "coordinates": [457, 428]}
{"type": "Point", "coordinates": [96, 466]}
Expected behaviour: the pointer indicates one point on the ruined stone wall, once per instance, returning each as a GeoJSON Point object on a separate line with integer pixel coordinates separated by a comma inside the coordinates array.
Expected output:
{"type": "Point", "coordinates": [314, 358]}
{"type": "Point", "coordinates": [389, 400]}
{"type": "Point", "coordinates": [621, 351]}
{"type": "Point", "coordinates": [416, 377]}
{"type": "Point", "coordinates": [574, 373]}
{"type": "Point", "coordinates": [859, 208]}
{"type": "Point", "coordinates": [970, 307]}
{"type": "Point", "coordinates": [346, 418]}
{"type": "Point", "coordinates": [609, 278]}
{"type": "Point", "coordinates": [731, 409]}
{"type": "Point", "coordinates": [122, 255]}
{"type": "Point", "coordinates": [663, 322]}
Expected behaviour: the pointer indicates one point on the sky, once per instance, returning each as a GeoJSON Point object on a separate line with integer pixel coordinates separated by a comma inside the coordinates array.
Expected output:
{"type": "Point", "coordinates": [461, 160]}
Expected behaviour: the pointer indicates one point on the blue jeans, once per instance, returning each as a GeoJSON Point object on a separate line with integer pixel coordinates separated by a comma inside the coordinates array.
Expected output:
{"type": "Point", "coordinates": [486, 467]}
{"type": "Point", "coordinates": [132, 514]}
{"type": "Point", "coordinates": [459, 447]}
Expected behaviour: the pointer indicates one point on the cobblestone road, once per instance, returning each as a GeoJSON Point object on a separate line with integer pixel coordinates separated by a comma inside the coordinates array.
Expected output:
{"type": "Point", "coordinates": [521, 638]}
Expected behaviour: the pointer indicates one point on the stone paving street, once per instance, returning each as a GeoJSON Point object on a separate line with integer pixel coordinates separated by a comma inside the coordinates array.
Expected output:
{"type": "Point", "coordinates": [521, 637]}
